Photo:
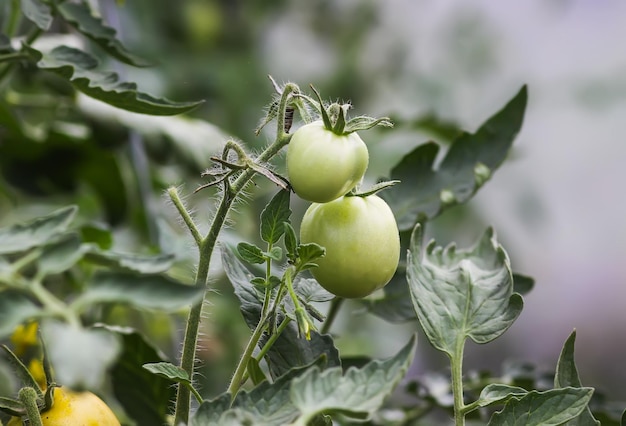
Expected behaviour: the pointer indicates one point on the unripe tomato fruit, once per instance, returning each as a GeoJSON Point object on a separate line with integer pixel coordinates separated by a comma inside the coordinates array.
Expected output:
{"type": "Point", "coordinates": [362, 244]}
{"type": "Point", "coordinates": [75, 409]}
{"type": "Point", "coordinates": [321, 165]}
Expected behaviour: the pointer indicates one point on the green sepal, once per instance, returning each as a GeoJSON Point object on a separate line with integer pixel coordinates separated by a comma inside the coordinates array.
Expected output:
{"type": "Point", "coordinates": [24, 376]}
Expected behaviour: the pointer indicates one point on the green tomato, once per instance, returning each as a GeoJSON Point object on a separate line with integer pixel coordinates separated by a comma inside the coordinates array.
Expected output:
{"type": "Point", "coordinates": [362, 244]}
{"type": "Point", "coordinates": [323, 166]}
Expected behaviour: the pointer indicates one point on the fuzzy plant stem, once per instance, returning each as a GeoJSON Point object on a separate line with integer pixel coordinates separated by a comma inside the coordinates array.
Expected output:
{"type": "Point", "coordinates": [456, 363]}
{"type": "Point", "coordinates": [206, 246]}
{"type": "Point", "coordinates": [28, 397]}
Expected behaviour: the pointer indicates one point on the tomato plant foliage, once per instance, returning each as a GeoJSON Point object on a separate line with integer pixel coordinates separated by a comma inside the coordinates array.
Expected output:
{"type": "Point", "coordinates": [108, 304]}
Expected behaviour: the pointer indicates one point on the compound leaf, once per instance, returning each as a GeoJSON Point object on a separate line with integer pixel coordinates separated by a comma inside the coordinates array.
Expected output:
{"type": "Point", "coordinates": [79, 68]}
{"type": "Point", "coordinates": [358, 393]}
{"type": "Point", "coordinates": [80, 17]}
{"type": "Point", "coordinates": [459, 294]}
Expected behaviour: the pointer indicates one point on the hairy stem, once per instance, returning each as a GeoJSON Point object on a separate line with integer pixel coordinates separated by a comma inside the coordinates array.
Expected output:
{"type": "Point", "coordinates": [178, 203]}
{"type": "Point", "coordinates": [28, 397]}
{"type": "Point", "coordinates": [235, 382]}
{"type": "Point", "coordinates": [456, 363]}
{"type": "Point", "coordinates": [183, 397]}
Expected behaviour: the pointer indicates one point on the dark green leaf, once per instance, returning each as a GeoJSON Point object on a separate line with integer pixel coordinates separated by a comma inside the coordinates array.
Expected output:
{"type": "Point", "coordinates": [140, 291]}
{"type": "Point", "coordinates": [495, 393]}
{"type": "Point", "coordinates": [268, 403]}
{"type": "Point", "coordinates": [310, 291]}
{"type": "Point", "coordinates": [143, 264]}
{"type": "Point", "coordinates": [567, 375]}
{"type": "Point", "coordinates": [522, 284]}
{"type": "Point", "coordinates": [35, 233]}
{"type": "Point", "coordinates": [469, 163]}
{"type": "Point", "coordinates": [61, 255]}
{"type": "Point", "coordinates": [97, 233]}
{"type": "Point", "coordinates": [146, 397]}
{"type": "Point", "coordinates": [459, 294]}
{"type": "Point", "coordinates": [78, 68]}
{"type": "Point", "coordinates": [358, 393]}
{"type": "Point", "coordinates": [288, 351]}
{"type": "Point", "coordinates": [276, 253]}
{"type": "Point", "coordinates": [79, 16]}
{"type": "Point", "coordinates": [240, 278]}
{"type": "Point", "coordinates": [273, 217]}
{"type": "Point", "coordinates": [37, 12]}
{"type": "Point", "coordinates": [80, 357]}
{"type": "Point", "coordinates": [553, 407]}
{"type": "Point", "coordinates": [291, 242]}
{"type": "Point", "coordinates": [250, 253]}
{"type": "Point", "coordinates": [395, 305]}
{"type": "Point", "coordinates": [15, 308]}
{"type": "Point", "coordinates": [209, 412]}
{"type": "Point", "coordinates": [255, 372]}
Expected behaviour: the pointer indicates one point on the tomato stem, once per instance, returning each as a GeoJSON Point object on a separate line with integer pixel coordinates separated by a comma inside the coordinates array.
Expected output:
{"type": "Point", "coordinates": [28, 397]}
{"type": "Point", "coordinates": [206, 247]}
{"type": "Point", "coordinates": [456, 363]}
{"type": "Point", "coordinates": [335, 304]}
{"type": "Point", "coordinates": [184, 214]}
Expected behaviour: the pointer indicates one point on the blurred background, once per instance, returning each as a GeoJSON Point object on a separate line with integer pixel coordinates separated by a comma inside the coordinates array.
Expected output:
{"type": "Point", "coordinates": [558, 204]}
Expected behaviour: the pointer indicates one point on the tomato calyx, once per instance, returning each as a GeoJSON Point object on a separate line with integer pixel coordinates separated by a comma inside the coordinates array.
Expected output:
{"type": "Point", "coordinates": [334, 118]}
{"type": "Point", "coordinates": [380, 186]}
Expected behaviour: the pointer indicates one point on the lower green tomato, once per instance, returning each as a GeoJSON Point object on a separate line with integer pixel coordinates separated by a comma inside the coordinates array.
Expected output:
{"type": "Point", "coordinates": [362, 244]}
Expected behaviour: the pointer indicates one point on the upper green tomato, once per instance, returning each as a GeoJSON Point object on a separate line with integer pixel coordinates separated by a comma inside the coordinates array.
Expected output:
{"type": "Point", "coordinates": [362, 244]}
{"type": "Point", "coordinates": [321, 165]}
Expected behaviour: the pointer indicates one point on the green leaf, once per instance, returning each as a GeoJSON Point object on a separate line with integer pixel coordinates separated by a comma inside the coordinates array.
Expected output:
{"type": "Point", "coordinates": [468, 164]}
{"type": "Point", "coordinates": [567, 375]}
{"type": "Point", "coordinates": [276, 253]}
{"type": "Point", "coordinates": [80, 17]}
{"type": "Point", "coordinates": [24, 375]}
{"type": "Point", "coordinates": [37, 12]}
{"type": "Point", "coordinates": [145, 397]}
{"type": "Point", "coordinates": [250, 253]}
{"type": "Point", "coordinates": [291, 242]}
{"type": "Point", "coordinates": [498, 393]}
{"type": "Point", "coordinates": [140, 291]}
{"type": "Point", "coordinates": [310, 291]}
{"type": "Point", "coordinates": [143, 264]}
{"type": "Point", "coordinates": [267, 404]}
{"type": "Point", "coordinates": [80, 357]}
{"type": "Point", "coordinates": [459, 294]}
{"type": "Point", "coordinates": [35, 233]}
{"type": "Point", "coordinates": [549, 408]}
{"type": "Point", "coordinates": [167, 370]}
{"type": "Point", "coordinates": [273, 217]}
{"type": "Point", "coordinates": [308, 253]}
{"type": "Point", "coordinates": [240, 278]}
{"type": "Point", "coordinates": [97, 233]}
{"type": "Point", "coordinates": [78, 68]}
{"type": "Point", "coordinates": [254, 370]}
{"type": "Point", "coordinates": [15, 308]}
{"type": "Point", "coordinates": [288, 351]}
{"type": "Point", "coordinates": [358, 393]}
{"type": "Point", "coordinates": [522, 284]}
{"type": "Point", "coordinates": [61, 255]}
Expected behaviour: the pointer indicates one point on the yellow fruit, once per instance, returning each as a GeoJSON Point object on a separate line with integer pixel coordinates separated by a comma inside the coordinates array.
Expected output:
{"type": "Point", "coordinates": [75, 409]}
